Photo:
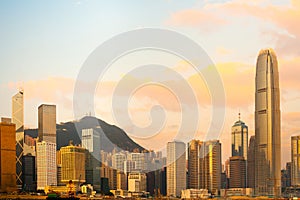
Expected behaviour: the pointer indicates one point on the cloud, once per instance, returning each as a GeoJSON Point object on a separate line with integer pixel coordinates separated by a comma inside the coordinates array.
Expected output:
{"type": "Point", "coordinates": [204, 19]}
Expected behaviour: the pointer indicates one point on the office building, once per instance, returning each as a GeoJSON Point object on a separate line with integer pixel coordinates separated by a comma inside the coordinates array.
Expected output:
{"type": "Point", "coordinates": [194, 148]}
{"type": "Point", "coordinates": [137, 182]}
{"type": "Point", "coordinates": [176, 168]}
{"type": "Point", "coordinates": [72, 164]}
{"type": "Point", "coordinates": [295, 164]}
{"type": "Point", "coordinates": [267, 125]}
{"type": "Point", "coordinates": [239, 139]}
{"type": "Point", "coordinates": [29, 173]}
{"type": "Point", "coordinates": [18, 120]}
{"type": "Point", "coordinates": [210, 165]}
{"type": "Point", "coordinates": [46, 164]}
{"type": "Point", "coordinates": [7, 157]}
{"type": "Point", "coordinates": [47, 123]}
{"type": "Point", "coordinates": [121, 180]}
{"type": "Point", "coordinates": [251, 163]}
{"type": "Point", "coordinates": [90, 139]}
{"type": "Point", "coordinates": [204, 165]}
{"type": "Point", "coordinates": [237, 172]}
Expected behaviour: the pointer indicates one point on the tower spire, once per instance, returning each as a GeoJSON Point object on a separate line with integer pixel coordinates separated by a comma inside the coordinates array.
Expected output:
{"type": "Point", "coordinates": [239, 115]}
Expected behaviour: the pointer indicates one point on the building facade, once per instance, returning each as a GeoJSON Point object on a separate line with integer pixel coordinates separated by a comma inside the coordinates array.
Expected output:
{"type": "Point", "coordinates": [251, 163]}
{"type": "Point", "coordinates": [137, 182]}
{"type": "Point", "coordinates": [295, 165]}
{"type": "Point", "coordinates": [176, 168]}
{"type": "Point", "coordinates": [18, 120]}
{"type": "Point", "coordinates": [46, 164]}
{"type": "Point", "coordinates": [267, 125]}
{"type": "Point", "coordinates": [7, 157]}
{"type": "Point", "coordinates": [237, 172]}
{"type": "Point", "coordinates": [210, 166]}
{"type": "Point", "coordinates": [239, 139]}
{"type": "Point", "coordinates": [194, 147]}
{"type": "Point", "coordinates": [72, 164]}
{"type": "Point", "coordinates": [90, 140]}
{"type": "Point", "coordinates": [47, 123]}
{"type": "Point", "coordinates": [29, 173]}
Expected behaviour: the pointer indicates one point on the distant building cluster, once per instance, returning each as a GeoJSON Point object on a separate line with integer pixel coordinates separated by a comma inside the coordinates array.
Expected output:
{"type": "Point", "coordinates": [192, 170]}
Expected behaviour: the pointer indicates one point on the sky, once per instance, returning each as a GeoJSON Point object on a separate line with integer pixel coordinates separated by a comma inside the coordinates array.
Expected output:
{"type": "Point", "coordinates": [44, 45]}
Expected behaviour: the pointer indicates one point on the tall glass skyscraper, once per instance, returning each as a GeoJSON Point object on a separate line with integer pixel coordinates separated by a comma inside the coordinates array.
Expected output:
{"type": "Point", "coordinates": [267, 125]}
{"type": "Point", "coordinates": [239, 139]}
{"type": "Point", "coordinates": [18, 119]}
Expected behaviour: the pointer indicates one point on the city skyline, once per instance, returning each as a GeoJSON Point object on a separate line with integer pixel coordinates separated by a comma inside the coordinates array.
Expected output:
{"type": "Point", "coordinates": [48, 76]}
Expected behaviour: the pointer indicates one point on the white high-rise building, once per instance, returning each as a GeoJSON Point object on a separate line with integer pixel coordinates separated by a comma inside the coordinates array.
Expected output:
{"type": "Point", "coordinates": [87, 137]}
{"type": "Point", "coordinates": [46, 164]}
{"type": "Point", "coordinates": [118, 161]}
{"type": "Point", "coordinates": [129, 166]}
{"type": "Point", "coordinates": [139, 159]}
{"type": "Point", "coordinates": [176, 168]}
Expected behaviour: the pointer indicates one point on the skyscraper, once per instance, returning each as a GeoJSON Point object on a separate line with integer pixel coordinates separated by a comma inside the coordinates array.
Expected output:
{"type": "Point", "coordinates": [237, 172]}
{"type": "Point", "coordinates": [239, 139]}
{"type": "Point", "coordinates": [90, 139]}
{"type": "Point", "coordinates": [239, 152]}
{"type": "Point", "coordinates": [72, 164]}
{"type": "Point", "coordinates": [210, 166]}
{"type": "Point", "coordinates": [176, 168]}
{"type": "Point", "coordinates": [204, 165]}
{"type": "Point", "coordinates": [46, 147]}
{"type": "Point", "coordinates": [267, 125]}
{"type": "Point", "coordinates": [7, 157]}
{"type": "Point", "coordinates": [46, 164]}
{"type": "Point", "coordinates": [194, 147]}
{"type": "Point", "coordinates": [47, 123]}
{"type": "Point", "coordinates": [295, 151]}
{"type": "Point", "coordinates": [18, 120]}
{"type": "Point", "coordinates": [251, 163]}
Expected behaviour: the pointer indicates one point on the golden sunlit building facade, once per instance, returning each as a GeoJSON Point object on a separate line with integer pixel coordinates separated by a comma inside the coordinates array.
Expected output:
{"type": "Point", "coordinates": [7, 157]}
{"type": "Point", "coordinates": [72, 164]}
{"type": "Point", "coordinates": [267, 125]}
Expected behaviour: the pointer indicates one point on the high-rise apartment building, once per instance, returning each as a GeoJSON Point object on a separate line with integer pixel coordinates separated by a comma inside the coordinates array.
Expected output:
{"type": "Point", "coordinates": [139, 159]}
{"type": "Point", "coordinates": [237, 172]}
{"type": "Point", "coordinates": [72, 164]}
{"type": "Point", "coordinates": [267, 125]}
{"type": "Point", "coordinates": [176, 168]}
{"type": "Point", "coordinates": [18, 120]}
{"type": "Point", "coordinates": [295, 165]}
{"type": "Point", "coordinates": [118, 161]}
{"type": "Point", "coordinates": [7, 157]}
{"type": "Point", "coordinates": [47, 123]}
{"type": "Point", "coordinates": [46, 164]}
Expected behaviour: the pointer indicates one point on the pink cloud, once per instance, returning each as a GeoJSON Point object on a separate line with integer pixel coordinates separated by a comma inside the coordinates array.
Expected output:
{"type": "Point", "coordinates": [203, 19]}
